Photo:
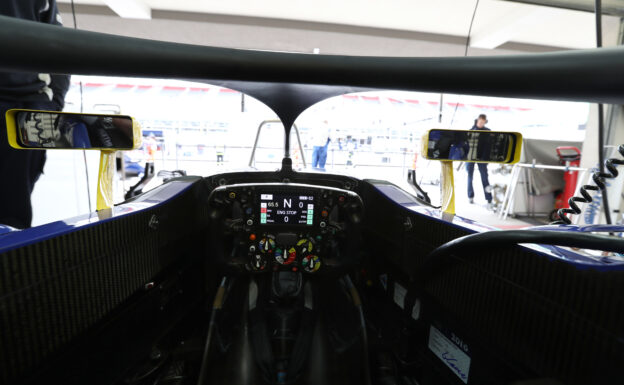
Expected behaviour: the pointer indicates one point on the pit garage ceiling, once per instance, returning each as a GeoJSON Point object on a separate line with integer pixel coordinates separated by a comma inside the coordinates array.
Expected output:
{"type": "Point", "coordinates": [354, 27]}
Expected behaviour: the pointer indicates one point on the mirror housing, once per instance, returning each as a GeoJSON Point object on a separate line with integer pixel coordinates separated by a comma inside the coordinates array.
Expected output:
{"type": "Point", "coordinates": [49, 130]}
{"type": "Point", "coordinates": [481, 146]}
{"type": "Point", "coordinates": [45, 130]}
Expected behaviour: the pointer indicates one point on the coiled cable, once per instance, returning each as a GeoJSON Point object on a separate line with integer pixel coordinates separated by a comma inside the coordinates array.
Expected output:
{"type": "Point", "coordinates": [599, 185]}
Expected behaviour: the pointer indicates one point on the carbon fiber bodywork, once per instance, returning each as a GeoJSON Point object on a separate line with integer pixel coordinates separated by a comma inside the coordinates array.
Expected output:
{"type": "Point", "coordinates": [54, 292]}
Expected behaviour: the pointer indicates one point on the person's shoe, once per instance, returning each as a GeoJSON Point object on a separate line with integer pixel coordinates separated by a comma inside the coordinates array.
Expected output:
{"type": "Point", "coordinates": [471, 200]}
{"type": "Point", "coordinates": [490, 206]}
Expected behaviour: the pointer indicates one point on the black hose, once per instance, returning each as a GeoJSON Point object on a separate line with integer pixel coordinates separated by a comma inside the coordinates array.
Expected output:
{"type": "Point", "coordinates": [216, 306]}
{"type": "Point", "coordinates": [598, 14]}
{"type": "Point", "coordinates": [474, 13]}
{"type": "Point", "coordinates": [440, 258]}
{"type": "Point", "coordinates": [599, 176]}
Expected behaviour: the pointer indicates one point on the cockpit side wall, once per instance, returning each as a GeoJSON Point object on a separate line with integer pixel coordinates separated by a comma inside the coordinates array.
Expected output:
{"type": "Point", "coordinates": [527, 306]}
{"type": "Point", "coordinates": [63, 290]}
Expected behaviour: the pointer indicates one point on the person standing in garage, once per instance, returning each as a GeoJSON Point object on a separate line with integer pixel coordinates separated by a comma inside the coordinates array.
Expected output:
{"type": "Point", "coordinates": [479, 124]}
{"type": "Point", "coordinates": [321, 142]}
{"type": "Point", "coordinates": [20, 169]}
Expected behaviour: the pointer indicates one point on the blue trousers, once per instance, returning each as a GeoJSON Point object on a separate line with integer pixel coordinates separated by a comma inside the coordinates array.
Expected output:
{"type": "Point", "coordinates": [19, 170]}
{"type": "Point", "coordinates": [319, 156]}
{"type": "Point", "coordinates": [484, 179]}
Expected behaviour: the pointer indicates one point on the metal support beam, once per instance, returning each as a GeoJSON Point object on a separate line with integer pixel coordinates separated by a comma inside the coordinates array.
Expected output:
{"type": "Point", "coordinates": [300, 146]}
{"type": "Point", "coordinates": [252, 159]}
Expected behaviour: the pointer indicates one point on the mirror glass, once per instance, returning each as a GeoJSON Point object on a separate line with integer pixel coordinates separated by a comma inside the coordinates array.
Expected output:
{"type": "Point", "coordinates": [471, 146]}
{"type": "Point", "coordinates": [41, 129]}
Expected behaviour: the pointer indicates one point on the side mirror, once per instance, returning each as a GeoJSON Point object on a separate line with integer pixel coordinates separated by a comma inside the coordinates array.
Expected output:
{"type": "Point", "coordinates": [51, 130]}
{"type": "Point", "coordinates": [29, 129]}
{"type": "Point", "coordinates": [467, 146]}
{"type": "Point", "coordinates": [472, 146]}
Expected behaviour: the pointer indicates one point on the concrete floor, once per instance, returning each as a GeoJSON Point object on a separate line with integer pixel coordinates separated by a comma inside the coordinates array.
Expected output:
{"type": "Point", "coordinates": [478, 211]}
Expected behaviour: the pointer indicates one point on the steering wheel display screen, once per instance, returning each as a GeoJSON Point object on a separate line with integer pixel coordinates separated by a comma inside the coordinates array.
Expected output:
{"type": "Point", "coordinates": [280, 209]}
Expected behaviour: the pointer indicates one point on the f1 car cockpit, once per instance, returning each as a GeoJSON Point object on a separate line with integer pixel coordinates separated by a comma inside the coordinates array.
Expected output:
{"type": "Point", "coordinates": [298, 277]}
{"type": "Point", "coordinates": [310, 278]}
{"type": "Point", "coordinates": [287, 244]}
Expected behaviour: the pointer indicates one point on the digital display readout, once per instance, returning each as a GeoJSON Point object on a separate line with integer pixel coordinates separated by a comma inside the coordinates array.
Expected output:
{"type": "Point", "coordinates": [280, 209]}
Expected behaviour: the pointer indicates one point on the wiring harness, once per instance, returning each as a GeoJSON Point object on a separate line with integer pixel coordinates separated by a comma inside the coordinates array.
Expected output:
{"type": "Point", "coordinates": [599, 185]}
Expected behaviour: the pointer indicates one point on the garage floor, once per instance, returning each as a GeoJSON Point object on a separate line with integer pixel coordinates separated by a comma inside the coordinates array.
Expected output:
{"type": "Point", "coordinates": [478, 210]}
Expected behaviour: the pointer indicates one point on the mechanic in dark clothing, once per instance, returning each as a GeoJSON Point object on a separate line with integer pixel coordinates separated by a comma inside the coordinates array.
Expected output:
{"type": "Point", "coordinates": [479, 125]}
{"type": "Point", "coordinates": [20, 169]}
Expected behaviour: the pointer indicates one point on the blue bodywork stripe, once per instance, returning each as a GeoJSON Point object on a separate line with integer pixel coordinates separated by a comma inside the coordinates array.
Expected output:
{"type": "Point", "coordinates": [153, 198]}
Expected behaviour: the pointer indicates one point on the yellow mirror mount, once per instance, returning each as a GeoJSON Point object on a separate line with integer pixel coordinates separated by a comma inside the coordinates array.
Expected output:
{"type": "Point", "coordinates": [447, 191]}
{"type": "Point", "coordinates": [105, 180]}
